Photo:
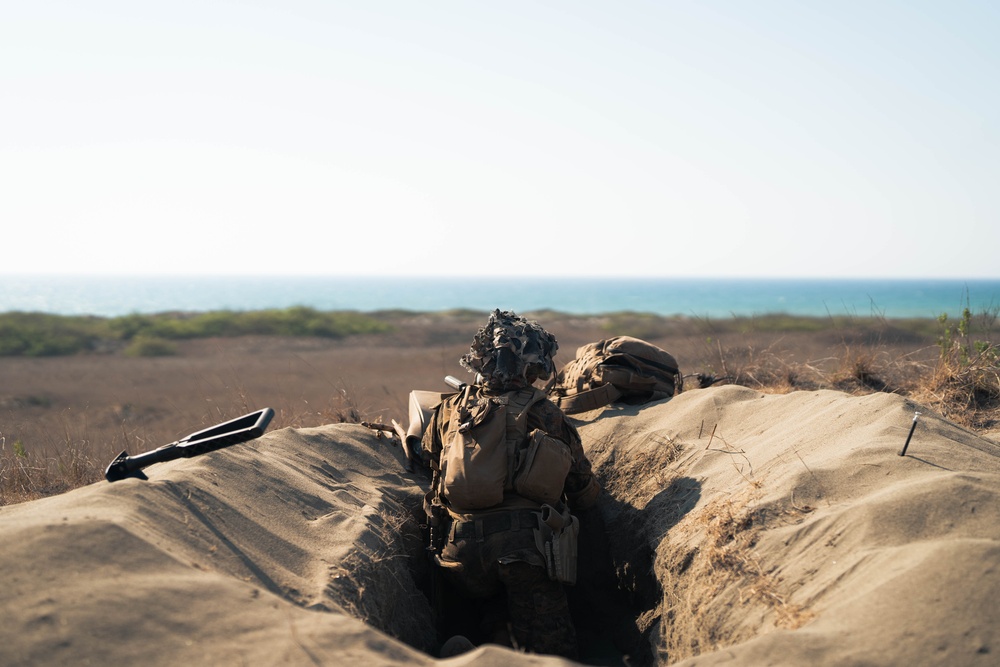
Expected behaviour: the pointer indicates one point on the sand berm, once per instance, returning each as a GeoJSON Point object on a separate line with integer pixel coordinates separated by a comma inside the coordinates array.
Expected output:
{"type": "Point", "coordinates": [753, 529]}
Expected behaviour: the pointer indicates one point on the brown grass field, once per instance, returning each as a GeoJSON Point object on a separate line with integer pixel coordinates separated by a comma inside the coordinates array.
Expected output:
{"type": "Point", "coordinates": [62, 419]}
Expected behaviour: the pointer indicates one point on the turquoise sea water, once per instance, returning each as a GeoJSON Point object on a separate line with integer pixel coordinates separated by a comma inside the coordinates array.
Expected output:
{"type": "Point", "coordinates": [109, 296]}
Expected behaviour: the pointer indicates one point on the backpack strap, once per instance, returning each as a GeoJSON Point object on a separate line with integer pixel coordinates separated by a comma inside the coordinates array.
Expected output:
{"type": "Point", "coordinates": [457, 421]}
{"type": "Point", "coordinates": [522, 416]}
{"type": "Point", "coordinates": [591, 399]}
{"type": "Point", "coordinates": [517, 419]}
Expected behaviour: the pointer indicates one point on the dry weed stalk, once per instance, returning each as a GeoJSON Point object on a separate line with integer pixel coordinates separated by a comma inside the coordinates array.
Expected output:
{"type": "Point", "coordinates": [860, 370]}
{"type": "Point", "coordinates": [748, 475]}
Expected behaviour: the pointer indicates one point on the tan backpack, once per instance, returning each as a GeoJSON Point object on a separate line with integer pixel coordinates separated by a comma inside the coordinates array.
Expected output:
{"type": "Point", "coordinates": [487, 451]}
{"type": "Point", "coordinates": [622, 368]}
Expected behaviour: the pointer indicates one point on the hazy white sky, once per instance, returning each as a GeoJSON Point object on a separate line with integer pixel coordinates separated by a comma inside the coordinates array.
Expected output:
{"type": "Point", "coordinates": [574, 137]}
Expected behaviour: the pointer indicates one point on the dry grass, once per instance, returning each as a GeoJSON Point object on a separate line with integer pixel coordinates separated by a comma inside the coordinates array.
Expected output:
{"type": "Point", "coordinates": [637, 479]}
{"type": "Point", "coordinates": [964, 384]}
{"type": "Point", "coordinates": [709, 573]}
{"type": "Point", "coordinates": [690, 568]}
{"type": "Point", "coordinates": [956, 372]}
{"type": "Point", "coordinates": [62, 419]}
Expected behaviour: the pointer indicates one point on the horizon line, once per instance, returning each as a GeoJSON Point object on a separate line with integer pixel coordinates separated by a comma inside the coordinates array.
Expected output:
{"type": "Point", "coordinates": [488, 277]}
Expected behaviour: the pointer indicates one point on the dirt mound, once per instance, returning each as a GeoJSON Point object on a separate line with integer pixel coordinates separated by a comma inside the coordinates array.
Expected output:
{"type": "Point", "coordinates": [788, 530]}
{"type": "Point", "coordinates": [271, 552]}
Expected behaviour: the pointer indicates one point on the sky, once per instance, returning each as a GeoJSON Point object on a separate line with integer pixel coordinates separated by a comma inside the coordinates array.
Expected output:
{"type": "Point", "coordinates": [626, 138]}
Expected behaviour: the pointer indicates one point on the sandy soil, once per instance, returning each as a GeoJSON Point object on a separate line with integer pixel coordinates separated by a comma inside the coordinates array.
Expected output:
{"type": "Point", "coordinates": [746, 528]}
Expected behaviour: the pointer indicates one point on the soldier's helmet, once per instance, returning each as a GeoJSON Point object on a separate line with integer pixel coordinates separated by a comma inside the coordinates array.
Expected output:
{"type": "Point", "coordinates": [511, 352]}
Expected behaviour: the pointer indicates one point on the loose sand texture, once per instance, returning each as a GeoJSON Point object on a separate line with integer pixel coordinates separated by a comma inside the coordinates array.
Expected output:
{"type": "Point", "coordinates": [788, 530]}
{"type": "Point", "coordinates": [747, 529]}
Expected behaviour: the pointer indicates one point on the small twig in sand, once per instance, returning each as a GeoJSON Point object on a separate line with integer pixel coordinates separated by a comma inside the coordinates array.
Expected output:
{"type": "Point", "coordinates": [755, 484]}
{"type": "Point", "coordinates": [805, 509]}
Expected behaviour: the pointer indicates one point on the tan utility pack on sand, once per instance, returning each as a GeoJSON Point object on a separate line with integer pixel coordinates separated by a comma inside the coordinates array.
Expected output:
{"type": "Point", "coordinates": [622, 368]}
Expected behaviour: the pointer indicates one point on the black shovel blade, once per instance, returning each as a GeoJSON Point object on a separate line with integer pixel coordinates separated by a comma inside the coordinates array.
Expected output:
{"type": "Point", "coordinates": [119, 469]}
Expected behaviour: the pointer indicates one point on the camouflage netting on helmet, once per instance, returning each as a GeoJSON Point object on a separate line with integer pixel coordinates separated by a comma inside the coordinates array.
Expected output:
{"type": "Point", "coordinates": [504, 350]}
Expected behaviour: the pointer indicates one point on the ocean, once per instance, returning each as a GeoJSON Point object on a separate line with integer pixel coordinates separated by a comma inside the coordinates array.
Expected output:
{"type": "Point", "coordinates": [692, 297]}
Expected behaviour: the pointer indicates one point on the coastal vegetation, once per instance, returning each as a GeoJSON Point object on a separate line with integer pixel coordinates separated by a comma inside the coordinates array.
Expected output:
{"type": "Point", "coordinates": [41, 334]}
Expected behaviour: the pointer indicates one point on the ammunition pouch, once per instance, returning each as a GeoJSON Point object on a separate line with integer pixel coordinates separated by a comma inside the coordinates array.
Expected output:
{"type": "Point", "coordinates": [556, 539]}
{"type": "Point", "coordinates": [541, 468]}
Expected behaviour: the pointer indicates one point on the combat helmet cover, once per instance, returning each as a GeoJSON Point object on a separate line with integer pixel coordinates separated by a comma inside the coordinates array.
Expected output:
{"type": "Point", "coordinates": [507, 347]}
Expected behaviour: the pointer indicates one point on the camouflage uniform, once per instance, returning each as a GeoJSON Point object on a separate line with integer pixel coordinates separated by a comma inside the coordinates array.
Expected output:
{"type": "Point", "coordinates": [493, 551]}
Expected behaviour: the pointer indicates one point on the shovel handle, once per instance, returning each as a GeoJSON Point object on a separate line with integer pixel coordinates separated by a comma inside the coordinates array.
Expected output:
{"type": "Point", "coordinates": [234, 431]}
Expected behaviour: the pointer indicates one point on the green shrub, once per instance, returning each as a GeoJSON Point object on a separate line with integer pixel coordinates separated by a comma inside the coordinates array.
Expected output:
{"type": "Point", "coordinates": [39, 334]}
{"type": "Point", "coordinates": [150, 346]}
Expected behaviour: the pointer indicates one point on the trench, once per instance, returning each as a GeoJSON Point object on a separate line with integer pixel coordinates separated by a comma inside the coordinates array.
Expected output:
{"type": "Point", "coordinates": [610, 603]}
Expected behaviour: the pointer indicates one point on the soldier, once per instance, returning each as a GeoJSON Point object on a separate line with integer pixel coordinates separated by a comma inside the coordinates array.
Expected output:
{"type": "Point", "coordinates": [507, 468]}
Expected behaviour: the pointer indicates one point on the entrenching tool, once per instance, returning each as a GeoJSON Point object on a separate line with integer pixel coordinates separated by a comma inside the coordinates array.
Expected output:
{"type": "Point", "coordinates": [222, 435]}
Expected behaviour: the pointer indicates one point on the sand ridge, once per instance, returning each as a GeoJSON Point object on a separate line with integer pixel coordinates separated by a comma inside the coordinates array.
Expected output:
{"type": "Point", "coordinates": [755, 529]}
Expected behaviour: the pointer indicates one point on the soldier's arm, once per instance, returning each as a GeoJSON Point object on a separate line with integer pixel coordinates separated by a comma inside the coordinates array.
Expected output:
{"type": "Point", "coordinates": [430, 443]}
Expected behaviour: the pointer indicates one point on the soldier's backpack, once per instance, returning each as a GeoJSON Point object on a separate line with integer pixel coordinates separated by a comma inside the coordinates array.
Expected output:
{"type": "Point", "coordinates": [622, 368]}
{"type": "Point", "coordinates": [487, 451]}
